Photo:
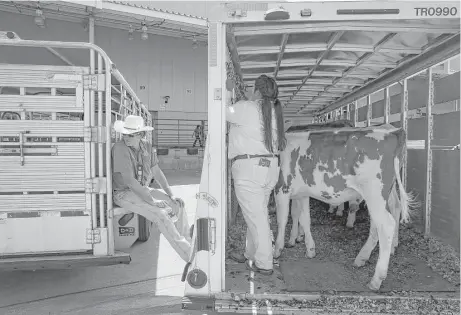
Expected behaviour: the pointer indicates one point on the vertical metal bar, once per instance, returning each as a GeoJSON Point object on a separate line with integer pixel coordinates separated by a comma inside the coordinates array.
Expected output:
{"type": "Point", "coordinates": [356, 113]}
{"type": "Point", "coordinates": [429, 121]}
{"type": "Point", "coordinates": [404, 126]}
{"type": "Point", "coordinates": [92, 123]}
{"type": "Point", "coordinates": [348, 111]}
{"type": "Point", "coordinates": [369, 110]}
{"type": "Point", "coordinates": [102, 212]}
{"type": "Point", "coordinates": [108, 149]}
{"type": "Point", "coordinates": [178, 132]}
{"type": "Point", "coordinates": [387, 105]}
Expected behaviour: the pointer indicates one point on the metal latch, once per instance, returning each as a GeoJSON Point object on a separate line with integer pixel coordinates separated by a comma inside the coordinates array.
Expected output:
{"type": "Point", "coordinates": [206, 235]}
{"type": "Point", "coordinates": [93, 236]}
{"type": "Point", "coordinates": [94, 82]}
{"type": "Point", "coordinates": [95, 134]}
{"type": "Point", "coordinates": [97, 185]}
{"type": "Point", "coordinates": [217, 94]}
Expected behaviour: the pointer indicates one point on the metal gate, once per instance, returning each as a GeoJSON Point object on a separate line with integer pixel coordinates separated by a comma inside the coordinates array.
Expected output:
{"type": "Point", "coordinates": [45, 174]}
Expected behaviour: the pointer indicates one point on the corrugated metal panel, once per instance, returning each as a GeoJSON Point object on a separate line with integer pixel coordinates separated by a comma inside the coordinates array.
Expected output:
{"type": "Point", "coordinates": [21, 203]}
{"type": "Point", "coordinates": [51, 128]}
{"type": "Point", "coordinates": [150, 6]}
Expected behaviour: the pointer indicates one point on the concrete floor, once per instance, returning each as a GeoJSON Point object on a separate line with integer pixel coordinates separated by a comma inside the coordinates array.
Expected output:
{"type": "Point", "coordinates": [150, 284]}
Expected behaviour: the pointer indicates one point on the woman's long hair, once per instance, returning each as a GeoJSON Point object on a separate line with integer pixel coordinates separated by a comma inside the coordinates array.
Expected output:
{"type": "Point", "coordinates": [269, 93]}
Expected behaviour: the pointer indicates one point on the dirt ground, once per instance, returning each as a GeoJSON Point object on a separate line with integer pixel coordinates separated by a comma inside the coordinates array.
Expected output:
{"type": "Point", "coordinates": [420, 267]}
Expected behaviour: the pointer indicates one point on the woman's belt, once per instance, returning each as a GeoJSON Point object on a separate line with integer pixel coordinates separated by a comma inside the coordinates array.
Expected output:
{"type": "Point", "coordinates": [253, 156]}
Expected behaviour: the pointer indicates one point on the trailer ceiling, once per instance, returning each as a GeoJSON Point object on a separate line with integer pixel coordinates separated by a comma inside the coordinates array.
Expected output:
{"type": "Point", "coordinates": [317, 65]}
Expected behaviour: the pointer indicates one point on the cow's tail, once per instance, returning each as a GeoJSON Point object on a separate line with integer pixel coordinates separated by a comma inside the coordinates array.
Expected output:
{"type": "Point", "coordinates": [408, 200]}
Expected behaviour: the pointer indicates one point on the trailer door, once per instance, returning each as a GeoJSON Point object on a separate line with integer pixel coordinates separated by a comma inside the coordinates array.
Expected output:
{"type": "Point", "coordinates": [44, 161]}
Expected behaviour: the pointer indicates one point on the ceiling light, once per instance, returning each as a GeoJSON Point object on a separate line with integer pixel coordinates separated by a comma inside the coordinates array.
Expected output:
{"type": "Point", "coordinates": [194, 44]}
{"type": "Point", "coordinates": [39, 19]}
{"type": "Point", "coordinates": [276, 14]}
{"type": "Point", "coordinates": [144, 35]}
{"type": "Point", "coordinates": [130, 33]}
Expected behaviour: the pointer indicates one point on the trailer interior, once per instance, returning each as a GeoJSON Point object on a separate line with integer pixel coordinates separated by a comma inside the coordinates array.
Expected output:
{"type": "Point", "coordinates": [360, 66]}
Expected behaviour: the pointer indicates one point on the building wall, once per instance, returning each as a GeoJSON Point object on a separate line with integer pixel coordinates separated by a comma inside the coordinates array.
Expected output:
{"type": "Point", "coordinates": [160, 66]}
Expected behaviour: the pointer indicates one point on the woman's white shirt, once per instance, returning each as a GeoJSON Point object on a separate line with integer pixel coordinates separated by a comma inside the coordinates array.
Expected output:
{"type": "Point", "coordinates": [246, 129]}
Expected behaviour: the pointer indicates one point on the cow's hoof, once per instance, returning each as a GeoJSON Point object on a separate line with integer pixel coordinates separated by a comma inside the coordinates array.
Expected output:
{"type": "Point", "coordinates": [339, 214]}
{"type": "Point", "coordinates": [310, 253]}
{"type": "Point", "coordinates": [277, 254]}
{"type": "Point", "coordinates": [299, 239]}
{"type": "Point", "coordinates": [359, 263]}
{"type": "Point", "coordinates": [350, 226]}
{"type": "Point", "coordinates": [290, 244]}
{"type": "Point", "coordinates": [393, 250]}
{"type": "Point", "coordinates": [374, 285]}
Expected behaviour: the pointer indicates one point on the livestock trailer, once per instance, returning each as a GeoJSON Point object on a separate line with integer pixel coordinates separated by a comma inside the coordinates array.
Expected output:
{"type": "Point", "coordinates": [331, 59]}
{"type": "Point", "coordinates": [56, 136]}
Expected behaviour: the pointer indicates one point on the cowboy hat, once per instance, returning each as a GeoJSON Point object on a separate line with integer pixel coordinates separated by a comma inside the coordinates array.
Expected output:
{"type": "Point", "coordinates": [132, 124]}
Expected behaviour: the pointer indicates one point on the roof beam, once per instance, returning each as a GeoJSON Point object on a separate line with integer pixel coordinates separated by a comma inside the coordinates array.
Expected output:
{"type": "Point", "coordinates": [314, 47]}
{"type": "Point", "coordinates": [282, 51]}
{"type": "Point", "coordinates": [434, 53]}
{"type": "Point", "coordinates": [312, 62]}
{"type": "Point", "coordinates": [331, 42]}
{"type": "Point", "coordinates": [394, 27]}
{"type": "Point", "coordinates": [361, 60]}
{"type": "Point", "coordinates": [301, 73]}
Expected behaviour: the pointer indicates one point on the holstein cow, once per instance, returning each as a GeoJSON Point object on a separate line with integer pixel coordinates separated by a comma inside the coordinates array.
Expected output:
{"type": "Point", "coordinates": [338, 165]}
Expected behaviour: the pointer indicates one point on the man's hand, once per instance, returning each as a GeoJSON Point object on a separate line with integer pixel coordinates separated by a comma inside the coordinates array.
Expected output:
{"type": "Point", "coordinates": [160, 203]}
{"type": "Point", "coordinates": [178, 201]}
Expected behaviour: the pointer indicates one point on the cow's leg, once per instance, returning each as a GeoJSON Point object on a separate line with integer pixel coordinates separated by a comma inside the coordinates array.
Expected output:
{"type": "Point", "coordinates": [385, 225]}
{"type": "Point", "coordinates": [282, 201]}
{"type": "Point", "coordinates": [351, 216]}
{"type": "Point", "coordinates": [395, 209]}
{"type": "Point", "coordinates": [331, 209]}
{"type": "Point", "coordinates": [305, 222]}
{"type": "Point", "coordinates": [370, 244]}
{"type": "Point", "coordinates": [340, 210]}
{"type": "Point", "coordinates": [300, 236]}
{"type": "Point", "coordinates": [296, 209]}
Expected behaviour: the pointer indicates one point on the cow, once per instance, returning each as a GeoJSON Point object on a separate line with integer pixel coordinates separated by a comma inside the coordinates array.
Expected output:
{"type": "Point", "coordinates": [338, 165]}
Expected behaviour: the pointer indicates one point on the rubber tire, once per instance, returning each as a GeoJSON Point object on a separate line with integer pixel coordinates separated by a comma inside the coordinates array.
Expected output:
{"type": "Point", "coordinates": [144, 228]}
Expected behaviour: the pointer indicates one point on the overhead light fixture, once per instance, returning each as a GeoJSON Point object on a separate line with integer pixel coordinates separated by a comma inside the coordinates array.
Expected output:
{"type": "Point", "coordinates": [194, 44]}
{"type": "Point", "coordinates": [130, 33]}
{"type": "Point", "coordinates": [144, 35]}
{"type": "Point", "coordinates": [276, 14]}
{"type": "Point", "coordinates": [39, 18]}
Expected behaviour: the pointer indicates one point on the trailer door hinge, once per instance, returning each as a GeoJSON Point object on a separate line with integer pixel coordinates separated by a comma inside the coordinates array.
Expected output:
{"type": "Point", "coordinates": [97, 185]}
{"type": "Point", "coordinates": [206, 235]}
{"type": "Point", "coordinates": [93, 236]}
{"type": "Point", "coordinates": [94, 82]}
{"type": "Point", "coordinates": [95, 134]}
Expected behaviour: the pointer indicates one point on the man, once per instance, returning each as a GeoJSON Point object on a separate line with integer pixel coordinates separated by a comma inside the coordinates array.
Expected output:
{"type": "Point", "coordinates": [198, 135]}
{"type": "Point", "coordinates": [134, 165]}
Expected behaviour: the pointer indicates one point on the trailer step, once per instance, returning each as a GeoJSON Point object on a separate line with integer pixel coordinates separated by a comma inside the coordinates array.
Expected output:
{"type": "Point", "coordinates": [62, 261]}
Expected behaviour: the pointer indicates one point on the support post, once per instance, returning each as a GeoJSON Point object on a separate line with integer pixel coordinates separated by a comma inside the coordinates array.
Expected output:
{"type": "Point", "coordinates": [369, 110]}
{"type": "Point", "coordinates": [356, 114]}
{"type": "Point", "coordinates": [429, 125]}
{"type": "Point", "coordinates": [387, 105]}
{"type": "Point", "coordinates": [404, 126]}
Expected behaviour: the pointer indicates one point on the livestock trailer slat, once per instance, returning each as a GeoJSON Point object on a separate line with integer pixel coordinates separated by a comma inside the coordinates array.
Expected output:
{"type": "Point", "coordinates": [42, 201]}
{"type": "Point", "coordinates": [41, 103]}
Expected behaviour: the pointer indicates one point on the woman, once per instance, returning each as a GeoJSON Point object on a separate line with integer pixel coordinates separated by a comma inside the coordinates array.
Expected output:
{"type": "Point", "coordinates": [256, 136]}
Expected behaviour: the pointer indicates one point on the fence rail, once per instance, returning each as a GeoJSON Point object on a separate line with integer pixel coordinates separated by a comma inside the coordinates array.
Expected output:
{"type": "Point", "coordinates": [173, 133]}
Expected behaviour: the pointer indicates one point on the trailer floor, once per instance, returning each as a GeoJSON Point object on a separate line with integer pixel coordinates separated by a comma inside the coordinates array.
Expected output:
{"type": "Point", "coordinates": [419, 265]}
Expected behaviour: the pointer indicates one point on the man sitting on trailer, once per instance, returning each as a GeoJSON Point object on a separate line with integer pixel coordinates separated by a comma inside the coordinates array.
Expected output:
{"type": "Point", "coordinates": [134, 165]}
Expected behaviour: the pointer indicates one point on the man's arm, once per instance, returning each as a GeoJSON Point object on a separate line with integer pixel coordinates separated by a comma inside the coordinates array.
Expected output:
{"type": "Point", "coordinates": [122, 167]}
{"type": "Point", "coordinates": [161, 179]}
